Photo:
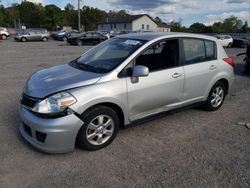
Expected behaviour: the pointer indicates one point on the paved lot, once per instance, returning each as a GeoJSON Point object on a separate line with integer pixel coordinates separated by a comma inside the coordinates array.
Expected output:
{"type": "Point", "coordinates": [192, 148]}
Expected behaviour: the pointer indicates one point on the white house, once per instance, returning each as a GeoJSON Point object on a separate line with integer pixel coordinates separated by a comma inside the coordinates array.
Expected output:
{"type": "Point", "coordinates": [142, 22]}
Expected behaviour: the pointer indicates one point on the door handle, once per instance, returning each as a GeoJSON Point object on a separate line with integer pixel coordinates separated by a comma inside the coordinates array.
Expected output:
{"type": "Point", "coordinates": [176, 75]}
{"type": "Point", "coordinates": [212, 67]}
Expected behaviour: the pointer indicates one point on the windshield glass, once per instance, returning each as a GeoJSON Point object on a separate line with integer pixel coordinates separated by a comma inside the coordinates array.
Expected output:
{"type": "Point", "coordinates": [108, 55]}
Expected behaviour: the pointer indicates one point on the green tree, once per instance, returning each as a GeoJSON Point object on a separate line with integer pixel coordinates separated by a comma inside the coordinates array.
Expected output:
{"type": "Point", "coordinates": [70, 16]}
{"type": "Point", "coordinates": [218, 27]}
{"type": "Point", "coordinates": [197, 28]}
{"type": "Point", "coordinates": [177, 27]}
{"type": "Point", "coordinates": [54, 17]}
{"type": "Point", "coordinates": [245, 28]}
{"type": "Point", "coordinates": [232, 24]}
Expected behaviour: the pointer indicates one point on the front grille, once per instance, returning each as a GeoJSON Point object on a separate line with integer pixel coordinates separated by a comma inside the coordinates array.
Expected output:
{"type": "Point", "coordinates": [28, 101]}
{"type": "Point", "coordinates": [27, 129]}
{"type": "Point", "coordinates": [41, 137]}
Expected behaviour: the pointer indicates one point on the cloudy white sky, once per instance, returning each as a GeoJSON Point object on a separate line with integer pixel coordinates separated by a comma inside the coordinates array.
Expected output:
{"type": "Point", "coordinates": [189, 11]}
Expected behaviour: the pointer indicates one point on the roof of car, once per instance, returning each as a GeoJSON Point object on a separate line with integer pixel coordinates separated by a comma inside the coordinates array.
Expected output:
{"type": "Point", "coordinates": [154, 35]}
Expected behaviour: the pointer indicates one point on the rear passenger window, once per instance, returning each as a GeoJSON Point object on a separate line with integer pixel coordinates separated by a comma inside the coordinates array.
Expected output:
{"type": "Point", "coordinates": [198, 50]}
{"type": "Point", "coordinates": [194, 50]}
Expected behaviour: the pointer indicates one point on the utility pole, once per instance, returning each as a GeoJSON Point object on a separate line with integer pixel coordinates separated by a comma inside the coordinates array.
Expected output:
{"type": "Point", "coordinates": [79, 16]}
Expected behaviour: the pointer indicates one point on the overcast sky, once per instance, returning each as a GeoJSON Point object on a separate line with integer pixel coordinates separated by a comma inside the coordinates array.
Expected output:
{"type": "Point", "coordinates": [189, 11]}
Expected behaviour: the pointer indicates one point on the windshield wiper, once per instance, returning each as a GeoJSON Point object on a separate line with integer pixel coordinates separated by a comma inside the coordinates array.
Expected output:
{"type": "Point", "coordinates": [87, 67]}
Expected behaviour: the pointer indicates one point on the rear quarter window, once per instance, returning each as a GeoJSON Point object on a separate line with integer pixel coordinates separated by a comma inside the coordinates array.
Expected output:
{"type": "Point", "coordinates": [210, 48]}
{"type": "Point", "coordinates": [198, 50]}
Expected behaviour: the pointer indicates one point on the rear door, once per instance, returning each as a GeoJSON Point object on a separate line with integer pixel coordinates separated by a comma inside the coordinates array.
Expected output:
{"type": "Point", "coordinates": [31, 36]}
{"type": "Point", "coordinates": [200, 67]}
{"type": "Point", "coordinates": [87, 38]}
{"type": "Point", "coordinates": [38, 35]}
{"type": "Point", "coordinates": [96, 38]}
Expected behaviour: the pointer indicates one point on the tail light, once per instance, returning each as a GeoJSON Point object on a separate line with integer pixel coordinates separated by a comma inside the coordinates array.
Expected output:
{"type": "Point", "coordinates": [229, 61]}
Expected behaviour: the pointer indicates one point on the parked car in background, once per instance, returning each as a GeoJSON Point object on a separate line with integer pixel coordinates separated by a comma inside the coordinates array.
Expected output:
{"type": "Point", "coordinates": [246, 59]}
{"type": "Point", "coordinates": [63, 36]}
{"type": "Point", "coordinates": [105, 33]}
{"type": "Point", "coordinates": [119, 82]}
{"type": "Point", "coordinates": [53, 34]}
{"type": "Point", "coordinates": [76, 39]}
{"type": "Point", "coordinates": [241, 42]}
{"type": "Point", "coordinates": [32, 35]}
{"type": "Point", "coordinates": [4, 33]}
{"type": "Point", "coordinates": [121, 32]}
{"type": "Point", "coordinates": [90, 37]}
{"type": "Point", "coordinates": [225, 40]}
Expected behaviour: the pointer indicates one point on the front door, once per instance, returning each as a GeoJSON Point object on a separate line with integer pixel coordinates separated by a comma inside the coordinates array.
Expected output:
{"type": "Point", "coordinates": [162, 89]}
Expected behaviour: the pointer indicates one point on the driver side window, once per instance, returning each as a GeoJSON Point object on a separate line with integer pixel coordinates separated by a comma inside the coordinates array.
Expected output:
{"type": "Point", "coordinates": [161, 55]}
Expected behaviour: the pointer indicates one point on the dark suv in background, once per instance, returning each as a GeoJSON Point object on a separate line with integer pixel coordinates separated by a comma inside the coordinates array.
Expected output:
{"type": "Point", "coordinates": [91, 37]}
{"type": "Point", "coordinates": [64, 34]}
{"type": "Point", "coordinates": [32, 35]}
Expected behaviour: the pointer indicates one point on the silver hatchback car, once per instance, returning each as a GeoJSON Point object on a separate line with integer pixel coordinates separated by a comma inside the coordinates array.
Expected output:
{"type": "Point", "coordinates": [119, 82]}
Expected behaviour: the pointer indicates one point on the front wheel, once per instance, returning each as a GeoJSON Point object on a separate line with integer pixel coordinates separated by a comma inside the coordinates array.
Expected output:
{"type": "Point", "coordinates": [216, 97]}
{"type": "Point", "coordinates": [100, 128]}
{"type": "Point", "coordinates": [23, 39]}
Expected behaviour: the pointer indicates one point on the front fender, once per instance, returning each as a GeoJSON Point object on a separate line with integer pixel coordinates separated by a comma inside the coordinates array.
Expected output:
{"type": "Point", "coordinates": [114, 92]}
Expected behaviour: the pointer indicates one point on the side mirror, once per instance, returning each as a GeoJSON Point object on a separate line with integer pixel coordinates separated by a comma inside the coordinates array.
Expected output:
{"type": "Point", "coordinates": [139, 71]}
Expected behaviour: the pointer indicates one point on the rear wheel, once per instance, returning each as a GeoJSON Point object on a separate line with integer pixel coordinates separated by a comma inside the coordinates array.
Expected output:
{"type": "Point", "coordinates": [247, 67]}
{"type": "Point", "coordinates": [244, 45]}
{"type": "Point", "coordinates": [45, 39]}
{"type": "Point", "coordinates": [216, 97]}
{"type": "Point", "coordinates": [4, 37]}
{"type": "Point", "coordinates": [79, 43]}
{"type": "Point", "coordinates": [100, 128]}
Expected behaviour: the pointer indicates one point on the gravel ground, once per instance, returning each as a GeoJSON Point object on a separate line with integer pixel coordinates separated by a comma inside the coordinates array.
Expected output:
{"type": "Point", "coordinates": [192, 148]}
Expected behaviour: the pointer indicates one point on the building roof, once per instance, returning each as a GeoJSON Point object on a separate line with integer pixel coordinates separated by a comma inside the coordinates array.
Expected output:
{"type": "Point", "coordinates": [125, 19]}
{"type": "Point", "coordinates": [163, 25]}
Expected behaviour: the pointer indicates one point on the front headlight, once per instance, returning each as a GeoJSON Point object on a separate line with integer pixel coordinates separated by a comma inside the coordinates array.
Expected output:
{"type": "Point", "coordinates": [55, 104]}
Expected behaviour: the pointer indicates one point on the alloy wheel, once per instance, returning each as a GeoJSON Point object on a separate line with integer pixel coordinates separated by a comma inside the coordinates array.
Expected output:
{"type": "Point", "coordinates": [100, 130]}
{"type": "Point", "coordinates": [217, 97]}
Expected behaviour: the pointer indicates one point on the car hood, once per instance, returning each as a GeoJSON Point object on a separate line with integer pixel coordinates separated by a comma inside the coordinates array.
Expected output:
{"type": "Point", "coordinates": [56, 79]}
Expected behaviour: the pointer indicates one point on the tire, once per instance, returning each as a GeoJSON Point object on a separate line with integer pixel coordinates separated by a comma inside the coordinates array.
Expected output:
{"type": "Point", "coordinates": [79, 43]}
{"type": "Point", "coordinates": [243, 45]}
{"type": "Point", "coordinates": [23, 39]}
{"type": "Point", "coordinates": [247, 68]}
{"type": "Point", "coordinates": [45, 39]}
{"type": "Point", "coordinates": [229, 45]}
{"type": "Point", "coordinates": [4, 37]}
{"type": "Point", "coordinates": [216, 97]}
{"type": "Point", "coordinates": [93, 135]}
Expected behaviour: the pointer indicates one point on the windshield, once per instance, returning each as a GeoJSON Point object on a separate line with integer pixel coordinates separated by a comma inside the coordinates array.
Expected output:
{"type": "Point", "coordinates": [108, 55]}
